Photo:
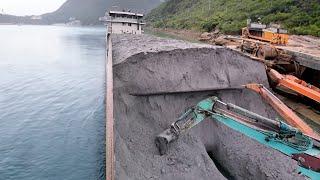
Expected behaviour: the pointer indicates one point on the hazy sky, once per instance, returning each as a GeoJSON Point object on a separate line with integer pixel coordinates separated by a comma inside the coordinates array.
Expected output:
{"type": "Point", "coordinates": [29, 7]}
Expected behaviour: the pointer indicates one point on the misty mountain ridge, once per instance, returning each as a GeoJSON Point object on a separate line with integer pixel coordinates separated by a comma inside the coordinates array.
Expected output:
{"type": "Point", "coordinates": [87, 11]}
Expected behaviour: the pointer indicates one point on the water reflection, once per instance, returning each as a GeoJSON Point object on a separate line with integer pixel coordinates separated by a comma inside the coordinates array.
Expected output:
{"type": "Point", "coordinates": [51, 102]}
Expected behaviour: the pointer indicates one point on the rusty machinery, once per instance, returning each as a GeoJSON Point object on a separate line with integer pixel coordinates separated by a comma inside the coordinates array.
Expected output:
{"type": "Point", "coordinates": [260, 42]}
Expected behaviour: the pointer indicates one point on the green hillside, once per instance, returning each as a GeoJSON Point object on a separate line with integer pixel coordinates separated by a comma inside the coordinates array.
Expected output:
{"type": "Point", "coordinates": [299, 17]}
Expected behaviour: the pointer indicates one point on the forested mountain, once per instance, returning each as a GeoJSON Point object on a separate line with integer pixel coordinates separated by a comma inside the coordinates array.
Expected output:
{"type": "Point", "coordinates": [10, 19]}
{"type": "Point", "coordinates": [87, 11]}
{"type": "Point", "coordinates": [299, 17]}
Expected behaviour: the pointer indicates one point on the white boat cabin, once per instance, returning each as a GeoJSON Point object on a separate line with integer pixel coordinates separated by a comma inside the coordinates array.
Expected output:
{"type": "Point", "coordinates": [123, 22]}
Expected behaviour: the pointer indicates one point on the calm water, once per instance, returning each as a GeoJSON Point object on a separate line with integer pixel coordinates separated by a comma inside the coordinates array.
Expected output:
{"type": "Point", "coordinates": [51, 102]}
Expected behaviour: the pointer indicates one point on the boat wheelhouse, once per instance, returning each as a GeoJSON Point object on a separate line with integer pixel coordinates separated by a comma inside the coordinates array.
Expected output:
{"type": "Point", "coordinates": [123, 22]}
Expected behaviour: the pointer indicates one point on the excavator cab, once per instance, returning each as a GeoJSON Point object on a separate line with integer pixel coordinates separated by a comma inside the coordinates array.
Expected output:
{"type": "Point", "coordinates": [273, 34]}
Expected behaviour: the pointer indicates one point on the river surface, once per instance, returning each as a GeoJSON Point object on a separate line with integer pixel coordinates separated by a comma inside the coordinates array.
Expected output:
{"type": "Point", "coordinates": [51, 103]}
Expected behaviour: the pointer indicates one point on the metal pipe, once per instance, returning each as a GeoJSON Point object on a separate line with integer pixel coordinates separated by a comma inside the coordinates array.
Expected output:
{"type": "Point", "coordinates": [258, 118]}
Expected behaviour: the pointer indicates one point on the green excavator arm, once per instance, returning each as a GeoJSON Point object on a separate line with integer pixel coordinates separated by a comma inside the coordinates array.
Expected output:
{"type": "Point", "coordinates": [272, 133]}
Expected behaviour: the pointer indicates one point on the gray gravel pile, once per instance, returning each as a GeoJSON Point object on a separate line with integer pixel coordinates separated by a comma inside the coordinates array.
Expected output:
{"type": "Point", "coordinates": [146, 64]}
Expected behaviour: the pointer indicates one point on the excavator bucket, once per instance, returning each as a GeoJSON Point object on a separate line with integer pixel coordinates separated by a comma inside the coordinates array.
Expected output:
{"type": "Point", "coordinates": [186, 121]}
{"type": "Point", "coordinates": [164, 139]}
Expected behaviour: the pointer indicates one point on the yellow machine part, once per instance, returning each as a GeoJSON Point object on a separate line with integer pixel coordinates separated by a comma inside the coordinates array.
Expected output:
{"type": "Point", "coordinates": [275, 38]}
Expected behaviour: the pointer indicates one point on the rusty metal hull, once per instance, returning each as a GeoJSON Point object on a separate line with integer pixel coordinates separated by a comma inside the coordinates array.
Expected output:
{"type": "Point", "coordinates": [110, 170]}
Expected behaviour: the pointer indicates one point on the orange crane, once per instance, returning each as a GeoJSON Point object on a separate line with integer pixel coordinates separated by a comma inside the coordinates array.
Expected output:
{"type": "Point", "coordinates": [297, 85]}
{"type": "Point", "coordinates": [286, 113]}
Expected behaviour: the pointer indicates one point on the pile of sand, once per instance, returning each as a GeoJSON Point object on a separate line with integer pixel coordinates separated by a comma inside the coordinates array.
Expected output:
{"type": "Point", "coordinates": [144, 64]}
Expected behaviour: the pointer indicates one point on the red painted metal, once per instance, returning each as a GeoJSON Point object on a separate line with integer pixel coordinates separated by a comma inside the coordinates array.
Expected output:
{"type": "Point", "coordinates": [307, 161]}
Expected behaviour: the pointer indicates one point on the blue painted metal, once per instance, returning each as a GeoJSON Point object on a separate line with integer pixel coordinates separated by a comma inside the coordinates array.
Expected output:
{"type": "Point", "coordinates": [311, 174]}
{"type": "Point", "coordinates": [304, 143]}
{"type": "Point", "coordinates": [202, 106]}
{"type": "Point", "coordinates": [275, 140]}
{"type": "Point", "coordinates": [260, 137]}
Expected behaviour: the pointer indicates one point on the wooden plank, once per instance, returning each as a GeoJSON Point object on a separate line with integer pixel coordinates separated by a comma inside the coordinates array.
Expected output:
{"type": "Point", "coordinates": [110, 171]}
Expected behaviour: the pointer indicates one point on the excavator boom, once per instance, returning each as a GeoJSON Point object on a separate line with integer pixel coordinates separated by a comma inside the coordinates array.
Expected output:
{"type": "Point", "coordinates": [286, 113]}
{"type": "Point", "coordinates": [271, 133]}
{"type": "Point", "coordinates": [295, 84]}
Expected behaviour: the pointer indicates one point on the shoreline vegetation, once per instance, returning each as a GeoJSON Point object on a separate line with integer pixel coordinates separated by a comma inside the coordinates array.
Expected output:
{"type": "Point", "coordinates": [299, 17]}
